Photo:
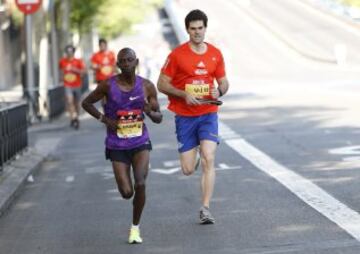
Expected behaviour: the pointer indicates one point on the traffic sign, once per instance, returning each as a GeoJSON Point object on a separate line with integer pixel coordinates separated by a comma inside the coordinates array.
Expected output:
{"type": "Point", "coordinates": [28, 6]}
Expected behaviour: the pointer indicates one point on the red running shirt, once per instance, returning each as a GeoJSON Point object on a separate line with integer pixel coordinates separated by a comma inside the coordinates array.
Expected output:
{"type": "Point", "coordinates": [195, 74]}
{"type": "Point", "coordinates": [106, 62]}
{"type": "Point", "coordinates": [71, 79]}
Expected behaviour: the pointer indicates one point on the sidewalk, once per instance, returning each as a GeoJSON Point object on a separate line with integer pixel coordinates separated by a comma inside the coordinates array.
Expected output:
{"type": "Point", "coordinates": [26, 164]}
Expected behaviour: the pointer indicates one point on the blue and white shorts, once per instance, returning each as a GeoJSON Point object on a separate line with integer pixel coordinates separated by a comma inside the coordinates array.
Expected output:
{"type": "Point", "coordinates": [190, 130]}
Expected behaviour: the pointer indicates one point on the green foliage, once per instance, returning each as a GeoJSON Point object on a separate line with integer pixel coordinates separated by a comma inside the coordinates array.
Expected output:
{"type": "Point", "coordinates": [111, 17]}
{"type": "Point", "coordinates": [83, 13]}
{"type": "Point", "coordinates": [355, 3]}
{"type": "Point", "coordinates": [16, 15]}
{"type": "Point", "coordinates": [118, 16]}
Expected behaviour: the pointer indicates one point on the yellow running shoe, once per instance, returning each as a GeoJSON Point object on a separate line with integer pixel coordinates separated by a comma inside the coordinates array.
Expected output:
{"type": "Point", "coordinates": [134, 236]}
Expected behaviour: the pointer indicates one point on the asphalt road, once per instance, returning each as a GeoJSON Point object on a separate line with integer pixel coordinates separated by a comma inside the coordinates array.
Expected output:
{"type": "Point", "coordinates": [287, 166]}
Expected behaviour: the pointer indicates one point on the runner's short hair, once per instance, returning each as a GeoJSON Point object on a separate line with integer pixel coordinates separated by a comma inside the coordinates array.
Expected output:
{"type": "Point", "coordinates": [69, 46]}
{"type": "Point", "coordinates": [102, 40]}
{"type": "Point", "coordinates": [195, 15]}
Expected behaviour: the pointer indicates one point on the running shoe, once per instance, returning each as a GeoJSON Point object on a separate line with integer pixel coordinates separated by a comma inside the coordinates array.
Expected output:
{"type": "Point", "coordinates": [134, 236]}
{"type": "Point", "coordinates": [76, 124]}
{"type": "Point", "coordinates": [205, 216]}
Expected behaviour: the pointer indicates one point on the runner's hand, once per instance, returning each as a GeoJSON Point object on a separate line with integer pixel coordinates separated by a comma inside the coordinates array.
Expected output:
{"type": "Point", "coordinates": [111, 124]}
{"type": "Point", "coordinates": [191, 100]}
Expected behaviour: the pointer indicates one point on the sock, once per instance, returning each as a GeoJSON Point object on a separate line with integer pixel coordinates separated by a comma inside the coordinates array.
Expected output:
{"type": "Point", "coordinates": [135, 226]}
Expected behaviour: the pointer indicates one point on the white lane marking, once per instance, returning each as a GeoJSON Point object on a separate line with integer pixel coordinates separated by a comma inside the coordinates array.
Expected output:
{"type": "Point", "coordinates": [170, 164]}
{"type": "Point", "coordinates": [107, 176]}
{"type": "Point", "coordinates": [352, 159]}
{"type": "Point", "coordinates": [320, 200]}
{"type": "Point", "coordinates": [346, 150]}
{"type": "Point", "coordinates": [169, 171]}
{"type": "Point", "coordinates": [223, 166]}
{"type": "Point", "coordinates": [166, 171]}
{"type": "Point", "coordinates": [70, 179]}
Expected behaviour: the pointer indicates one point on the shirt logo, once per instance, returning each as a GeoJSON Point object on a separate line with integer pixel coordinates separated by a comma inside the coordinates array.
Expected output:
{"type": "Point", "coordinates": [201, 72]}
{"type": "Point", "coordinates": [133, 98]}
{"type": "Point", "coordinates": [201, 64]}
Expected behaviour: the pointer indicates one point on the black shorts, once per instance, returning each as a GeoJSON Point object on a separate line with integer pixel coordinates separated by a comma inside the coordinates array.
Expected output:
{"type": "Point", "coordinates": [126, 156]}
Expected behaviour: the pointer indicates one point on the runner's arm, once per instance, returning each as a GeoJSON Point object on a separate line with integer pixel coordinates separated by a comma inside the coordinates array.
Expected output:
{"type": "Point", "coordinates": [152, 107]}
{"type": "Point", "coordinates": [100, 92]}
{"type": "Point", "coordinates": [223, 86]}
{"type": "Point", "coordinates": [164, 85]}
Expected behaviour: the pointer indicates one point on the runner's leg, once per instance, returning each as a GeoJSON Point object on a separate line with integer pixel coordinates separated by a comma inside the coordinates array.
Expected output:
{"type": "Point", "coordinates": [70, 103]}
{"type": "Point", "coordinates": [207, 150]}
{"type": "Point", "coordinates": [123, 179]}
{"type": "Point", "coordinates": [140, 170]}
{"type": "Point", "coordinates": [188, 161]}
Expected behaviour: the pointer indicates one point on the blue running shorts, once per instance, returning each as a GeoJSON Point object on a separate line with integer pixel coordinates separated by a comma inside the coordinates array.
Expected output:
{"type": "Point", "coordinates": [190, 130]}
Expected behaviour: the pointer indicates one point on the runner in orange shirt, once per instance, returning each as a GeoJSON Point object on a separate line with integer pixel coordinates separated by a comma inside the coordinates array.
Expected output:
{"type": "Point", "coordinates": [103, 62]}
{"type": "Point", "coordinates": [72, 69]}
{"type": "Point", "coordinates": [188, 75]}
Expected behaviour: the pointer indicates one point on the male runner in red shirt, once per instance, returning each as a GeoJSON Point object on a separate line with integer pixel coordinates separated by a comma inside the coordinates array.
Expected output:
{"type": "Point", "coordinates": [188, 75]}
{"type": "Point", "coordinates": [72, 68]}
{"type": "Point", "coordinates": [103, 62]}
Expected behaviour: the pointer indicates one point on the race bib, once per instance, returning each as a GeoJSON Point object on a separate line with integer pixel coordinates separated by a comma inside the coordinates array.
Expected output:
{"type": "Point", "coordinates": [198, 90]}
{"type": "Point", "coordinates": [70, 77]}
{"type": "Point", "coordinates": [106, 70]}
{"type": "Point", "coordinates": [130, 124]}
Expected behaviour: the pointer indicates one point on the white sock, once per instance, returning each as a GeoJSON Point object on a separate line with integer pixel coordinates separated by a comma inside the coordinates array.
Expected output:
{"type": "Point", "coordinates": [135, 226]}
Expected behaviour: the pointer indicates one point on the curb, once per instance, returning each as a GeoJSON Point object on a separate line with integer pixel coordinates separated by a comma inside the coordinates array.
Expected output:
{"type": "Point", "coordinates": [15, 175]}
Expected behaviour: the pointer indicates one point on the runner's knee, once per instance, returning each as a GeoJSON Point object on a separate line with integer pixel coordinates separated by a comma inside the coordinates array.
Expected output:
{"type": "Point", "coordinates": [207, 159]}
{"type": "Point", "coordinates": [187, 169]}
{"type": "Point", "coordinates": [140, 185]}
{"type": "Point", "coordinates": [126, 193]}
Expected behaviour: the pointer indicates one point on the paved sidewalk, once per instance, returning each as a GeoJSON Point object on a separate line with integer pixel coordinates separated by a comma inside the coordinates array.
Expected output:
{"type": "Point", "coordinates": [42, 143]}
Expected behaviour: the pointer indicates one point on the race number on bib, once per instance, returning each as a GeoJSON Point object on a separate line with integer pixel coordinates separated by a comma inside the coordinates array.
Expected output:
{"type": "Point", "coordinates": [106, 70]}
{"type": "Point", "coordinates": [130, 124]}
{"type": "Point", "coordinates": [70, 77]}
{"type": "Point", "coordinates": [198, 90]}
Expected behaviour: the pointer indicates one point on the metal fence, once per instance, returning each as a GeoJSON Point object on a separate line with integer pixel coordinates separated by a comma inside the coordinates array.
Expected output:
{"type": "Point", "coordinates": [13, 130]}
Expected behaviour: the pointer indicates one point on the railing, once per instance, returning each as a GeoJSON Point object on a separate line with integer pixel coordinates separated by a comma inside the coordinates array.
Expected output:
{"type": "Point", "coordinates": [13, 130]}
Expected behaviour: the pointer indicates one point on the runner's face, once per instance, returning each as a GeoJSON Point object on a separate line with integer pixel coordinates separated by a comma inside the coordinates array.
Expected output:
{"type": "Point", "coordinates": [69, 52]}
{"type": "Point", "coordinates": [196, 31]}
{"type": "Point", "coordinates": [102, 46]}
{"type": "Point", "coordinates": [127, 62]}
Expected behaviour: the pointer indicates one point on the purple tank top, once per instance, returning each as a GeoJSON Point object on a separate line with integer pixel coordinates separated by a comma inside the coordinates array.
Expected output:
{"type": "Point", "coordinates": [127, 109]}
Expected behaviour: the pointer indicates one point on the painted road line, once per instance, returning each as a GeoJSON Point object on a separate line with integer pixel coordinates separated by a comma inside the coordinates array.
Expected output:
{"type": "Point", "coordinates": [320, 200]}
{"type": "Point", "coordinates": [70, 179]}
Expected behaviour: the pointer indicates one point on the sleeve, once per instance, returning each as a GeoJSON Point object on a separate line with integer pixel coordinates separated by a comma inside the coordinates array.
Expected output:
{"type": "Point", "coordinates": [220, 68]}
{"type": "Point", "coordinates": [93, 59]}
{"type": "Point", "coordinates": [170, 66]}
{"type": "Point", "coordinates": [113, 60]}
{"type": "Point", "coordinates": [61, 64]}
{"type": "Point", "coordinates": [81, 64]}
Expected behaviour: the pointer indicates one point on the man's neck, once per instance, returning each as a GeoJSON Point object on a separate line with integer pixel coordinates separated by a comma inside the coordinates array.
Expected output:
{"type": "Point", "coordinates": [198, 48]}
{"type": "Point", "coordinates": [129, 78]}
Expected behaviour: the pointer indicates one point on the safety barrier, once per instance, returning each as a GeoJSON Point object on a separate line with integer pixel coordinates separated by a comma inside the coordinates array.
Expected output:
{"type": "Point", "coordinates": [13, 130]}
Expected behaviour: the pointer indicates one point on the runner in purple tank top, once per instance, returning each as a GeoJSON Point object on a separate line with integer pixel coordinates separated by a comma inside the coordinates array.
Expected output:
{"type": "Point", "coordinates": [128, 98]}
